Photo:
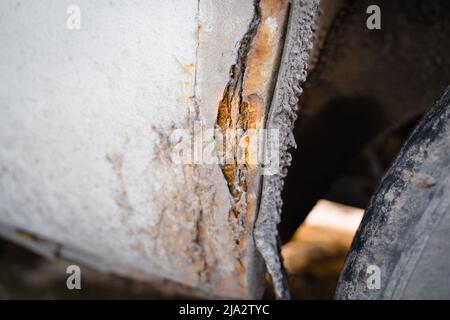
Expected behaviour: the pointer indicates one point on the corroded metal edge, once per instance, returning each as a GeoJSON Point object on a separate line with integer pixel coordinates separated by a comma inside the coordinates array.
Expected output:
{"type": "Point", "coordinates": [282, 115]}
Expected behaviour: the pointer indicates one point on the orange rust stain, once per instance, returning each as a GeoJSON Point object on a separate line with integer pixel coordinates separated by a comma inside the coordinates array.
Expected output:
{"type": "Point", "coordinates": [258, 60]}
{"type": "Point", "coordinates": [224, 112]}
{"type": "Point", "coordinates": [262, 58]}
{"type": "Point", "coordinates": [260, 67]}
{"type": "Point", "coordinates": [255, 110]}
{"type": "Point", "coordinates": [188, 68]}
{"type": "Point", "coordinates": [273, 7]}
{"type": "Point", "coordinates": [248, 112]}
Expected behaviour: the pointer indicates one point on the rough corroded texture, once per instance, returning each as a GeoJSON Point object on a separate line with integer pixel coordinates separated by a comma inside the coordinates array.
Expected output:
{"type": "Point", "coordinates": [244, 106]}
{"type": "Point", "coordinates": [282, 115]}
{"type": "Point", "coordinates": [86, 122]}
{"type": "Point", "coordinates": [86, 118]}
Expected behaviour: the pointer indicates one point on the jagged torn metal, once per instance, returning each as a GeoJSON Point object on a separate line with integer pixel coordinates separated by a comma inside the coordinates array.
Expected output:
{"type": "Point", "coordinates": [281, 117]}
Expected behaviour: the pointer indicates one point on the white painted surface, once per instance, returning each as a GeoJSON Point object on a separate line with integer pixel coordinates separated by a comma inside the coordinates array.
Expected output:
{"type": "Point", "coordinates": [80, 116]}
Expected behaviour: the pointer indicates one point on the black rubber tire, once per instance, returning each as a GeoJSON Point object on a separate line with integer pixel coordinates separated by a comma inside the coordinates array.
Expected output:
{"type": "Point", "coordinates": [405, 231]}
